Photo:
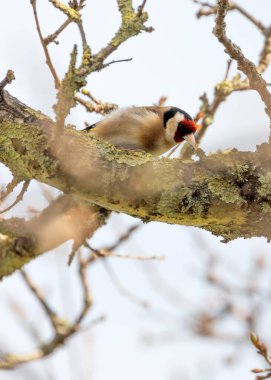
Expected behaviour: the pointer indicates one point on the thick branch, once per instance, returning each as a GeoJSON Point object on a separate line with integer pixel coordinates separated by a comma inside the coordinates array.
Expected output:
{"type": "Point", "coordinates": [63, 220]}
{"type": "Point", "coordinates": [226, 193]}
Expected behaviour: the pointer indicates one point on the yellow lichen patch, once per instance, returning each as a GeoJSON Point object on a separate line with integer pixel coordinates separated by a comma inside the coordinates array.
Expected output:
{"type": "Point", "coordinates": [70, 12]}
{"type": "Point", "coordinates": [265, 189]}
{"type": "Point", "coordinates": [24, 151]}
{"type": "Point", "coordinates": [121, 156]}
{"type": "Point", "coordinates": [86, 57]}
{"type": "Point", "coordinates": [224, 190]}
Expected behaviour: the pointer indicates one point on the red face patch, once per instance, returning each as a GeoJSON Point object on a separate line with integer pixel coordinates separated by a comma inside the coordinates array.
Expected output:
{"type": "Point", "coordinates": [189, 125]}
{"type": "Point", "coordinates": [185, 127]}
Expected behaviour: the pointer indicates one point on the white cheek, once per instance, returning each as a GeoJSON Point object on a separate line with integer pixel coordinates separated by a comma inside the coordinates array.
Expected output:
{"type": "Point", "coordinates": [178, 117]}
{"type": "Point", "coordinates": [172, 125]}
{"type": "Point", "coordinates": [171, 130]}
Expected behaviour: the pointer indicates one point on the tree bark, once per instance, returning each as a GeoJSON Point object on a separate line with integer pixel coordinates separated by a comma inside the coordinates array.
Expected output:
{"type": "Point", "coordinates": [226, 193]}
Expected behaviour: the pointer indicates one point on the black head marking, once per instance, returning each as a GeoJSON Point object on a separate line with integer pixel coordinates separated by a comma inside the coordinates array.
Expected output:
{"type": "Point", "coordinates": [172, 111]}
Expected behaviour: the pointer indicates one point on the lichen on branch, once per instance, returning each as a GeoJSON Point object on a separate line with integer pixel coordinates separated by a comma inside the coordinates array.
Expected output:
{"type": "Point", "coordinates": [225, 193]}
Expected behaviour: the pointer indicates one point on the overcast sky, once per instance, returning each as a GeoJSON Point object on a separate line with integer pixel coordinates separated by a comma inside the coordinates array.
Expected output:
{"type": "Point", "coordinates": [180, 59]}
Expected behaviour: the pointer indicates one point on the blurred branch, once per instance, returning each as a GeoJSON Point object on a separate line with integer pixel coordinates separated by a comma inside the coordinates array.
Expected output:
{"type": "Point", "coordinates": [61, 327]}
{"type": "Point", "coordinates": [64, 219]}
{"type": "Point", "coordinates": [121, 289]}
{"type": "Point", "coordinates": [44, 45]}
{"type": "Point", "coordinates": [19, 197]}
{"type": "Point", "coordinates": [244, 64]}
{"type": "Point", "coordinates": [123, 238]}
{"type": "Point", "coordinates": [95, 105]}
{"type": "Point", "coordinates": [40, 298]}
{"type": "Point", "coordinates": [7, 80]}
{"type": "Point", "coordinates": [228, 86]}
{"type": "Point", "coordinates": [228, 296]}
{"type": "Point", "coordinates": [104, 253]}
{"type": "Point", "coordinates": [207, 193]}
{"type": "Point", "coordinates": [161, 101]}
{"type": "Point", "coordinates": [208, 9]}
{"type": "Point", "coordinates": [220, 198]}
{"type": "Point", "coordinates": [65, 97]}
{"type": "Point", "coordinates": [262, 351]}
{"type": "Point", "coordinates": [9, 189]}
{"type": "Point", "coordinates": [132, 24]}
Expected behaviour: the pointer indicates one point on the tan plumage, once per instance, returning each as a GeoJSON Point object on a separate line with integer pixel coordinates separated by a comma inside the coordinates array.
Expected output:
{"type": "Point", "coordinates": [140, 128]}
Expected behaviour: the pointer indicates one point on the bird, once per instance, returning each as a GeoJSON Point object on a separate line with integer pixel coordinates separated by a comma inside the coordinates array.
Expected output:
{"type": "Point", "coordinates": [152, 129]}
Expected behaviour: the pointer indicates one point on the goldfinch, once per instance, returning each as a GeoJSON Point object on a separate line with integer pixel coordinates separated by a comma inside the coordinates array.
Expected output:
{"type": "Point", "coordinates": [151, 129]}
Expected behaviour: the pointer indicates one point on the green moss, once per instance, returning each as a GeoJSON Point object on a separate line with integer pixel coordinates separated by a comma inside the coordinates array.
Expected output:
{"type": "Point", "coordinates": [266, 208]}
{"type": "Point", "coordinates": [173, 201]}
{"type": "Point", "coordinates": [121, 156]}
{"type": "Point", "coordinates": [37, 114]}
{"type": "Point", "coordinates": [21, 155]}
{"type": "Point", "coordinates": [242, 172]}
{"type": "Point", "coordinates": [185, 201]}
{"type": "Point", "coordinates": [14, 253]}
{"type": "Point", "coordinates": [225, 190]}
{"type": "Point", "coordinates": [264, 190]}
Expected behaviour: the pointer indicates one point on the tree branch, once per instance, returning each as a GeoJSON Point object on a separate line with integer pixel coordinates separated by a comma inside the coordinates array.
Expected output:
{"type": "Point", "coordinates": [226, 193]}
{"type": "Point", "coordinates": [64, 219]}
{"type": "Point", "coordinates": [245, 65]}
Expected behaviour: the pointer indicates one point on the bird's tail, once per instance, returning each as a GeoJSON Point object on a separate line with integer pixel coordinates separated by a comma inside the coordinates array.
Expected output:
{"type": "Point", "coordinates": [89, 127]}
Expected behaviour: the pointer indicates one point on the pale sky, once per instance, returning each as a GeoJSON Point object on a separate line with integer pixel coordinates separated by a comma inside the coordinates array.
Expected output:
{"type": "Point", "coordinates": [181, 60]}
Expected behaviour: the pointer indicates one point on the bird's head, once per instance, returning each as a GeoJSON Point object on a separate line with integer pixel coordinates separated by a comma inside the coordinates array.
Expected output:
{"type": "Point", "coordinates": [179, 126]}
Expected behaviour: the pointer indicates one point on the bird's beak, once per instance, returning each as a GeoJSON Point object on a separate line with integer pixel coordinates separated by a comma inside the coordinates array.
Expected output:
{"type": "Point", "coordinates": [191, 140]}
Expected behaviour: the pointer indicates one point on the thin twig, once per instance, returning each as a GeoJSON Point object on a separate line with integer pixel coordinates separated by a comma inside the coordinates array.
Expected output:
{"type": "Point", "coordinates": [225, 88]}
{"type": "Point", "coordinates": [208, 9]}
{"type": "Point", "coordinates": [101, 108]}
{"type": "Point", "coordinates": [44, 46]}
{"type": "Point", "coordinates": [87, 300]}
{"type": "Point", "coordinates": [18, 198]}
{"type": "Point", "coordinates": [52, 37]}
{"type": "Point", "coordinates": [82, 33]}
{"type": "Point", "coordinates": [62, 328]}
{"type": "Point", "coordinates": [86, 92]}
{"type": "Point", "coordinates": [116, 61]}
{"type": "Point", "coordinates": [104, 253]}
{"type": "Point", "coordinates": [262, 350]}
{"type": "Point", "coordinates": [123, 237]}
{"type": "Point", "coordinates": [40, 297]}
{"type": "Point", "coordinates": [72, 254]}
{"type": "Point", "coordinates": [244, 64]}
{"type": "Point", "coordinates": [248, 15]}
{"type": "Point", "coordinates": [141, 8]}
{"type": "Point", "coordinates": [229, 63]}
{"type": "Point", "coordinates": [122, 290]}
{"type": "Point", "coordinates": [9, 189]}
{"type": "Point", "coordinates": [7, 80]}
